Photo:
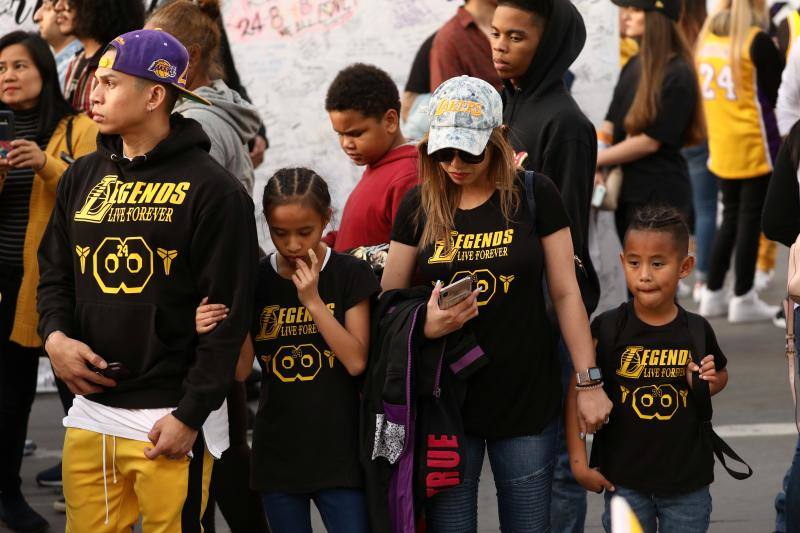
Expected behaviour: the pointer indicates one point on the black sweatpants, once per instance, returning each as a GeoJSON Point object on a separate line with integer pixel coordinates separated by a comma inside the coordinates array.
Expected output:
{"type": "Point", "coordinates": [230, 480]}
{"type": "Point", "coordinates": [742, 203]}
{"type": "Point", "coordinates": [18, 370]}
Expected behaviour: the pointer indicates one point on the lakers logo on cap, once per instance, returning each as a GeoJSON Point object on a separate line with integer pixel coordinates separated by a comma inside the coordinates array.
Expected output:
{"type": "Point", "coordinates": [659, 4]}
{"type": "Point", "coordinates": [163, 69]}
{"type": "Point", "coordinates": [448, 105]}
{"type": "Point", "coordinates": [106, 62]}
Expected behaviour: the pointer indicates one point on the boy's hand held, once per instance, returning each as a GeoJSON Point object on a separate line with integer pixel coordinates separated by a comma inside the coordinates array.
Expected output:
{"type": "Point", "coordinates": [594, 408]}
{"type": "Point", "coordinates": [591, 479]}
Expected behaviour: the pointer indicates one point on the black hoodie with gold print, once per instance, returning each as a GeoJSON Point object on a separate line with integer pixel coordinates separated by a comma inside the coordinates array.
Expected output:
{"type": "Point", "coordinates": [131, 248]}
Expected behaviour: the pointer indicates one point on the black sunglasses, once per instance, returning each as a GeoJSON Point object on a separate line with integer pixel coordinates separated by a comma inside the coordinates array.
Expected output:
{"type": "Point", "coordinates": [445, 155]}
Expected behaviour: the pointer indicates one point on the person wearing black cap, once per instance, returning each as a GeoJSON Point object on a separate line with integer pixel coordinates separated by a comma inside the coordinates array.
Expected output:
{"type": "Point", "coordinates": [142, 229]}
{"type": "Point", "coordinates": [655, 111]}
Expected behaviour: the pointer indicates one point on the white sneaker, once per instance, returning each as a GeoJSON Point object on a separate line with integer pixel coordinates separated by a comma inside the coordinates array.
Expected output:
{"type": "Point", "coordinates": [762, 280]}
{"type": "Point", "coordinates": [713, 303]}
{"type": "Point", "coordinates": [750, 308]}
{"type": "Point", "coordinates": [697, 292]}
{"type": "Point", "coordinates": [779, 320]}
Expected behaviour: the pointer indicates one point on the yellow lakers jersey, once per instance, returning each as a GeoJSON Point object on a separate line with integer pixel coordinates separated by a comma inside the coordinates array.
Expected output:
{"type": "Point", "coordinates": [737, 138]}
{"type": "Point", "coordinates": [794, 29]}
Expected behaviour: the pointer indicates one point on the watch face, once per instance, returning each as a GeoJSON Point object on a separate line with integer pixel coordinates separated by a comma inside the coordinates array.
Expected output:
{"type": "Point", "coordinates": [595, 374]}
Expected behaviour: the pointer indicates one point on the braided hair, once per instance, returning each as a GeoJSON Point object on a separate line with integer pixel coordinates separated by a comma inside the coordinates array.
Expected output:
{"type": "Point", "coordinates": [662, 219]}
{"type": "Point", "coordinates": [297, 185]}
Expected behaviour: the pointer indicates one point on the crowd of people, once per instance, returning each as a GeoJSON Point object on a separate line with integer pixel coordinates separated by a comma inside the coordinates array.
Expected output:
{"type": "Point", "coordinates": [447, 316]}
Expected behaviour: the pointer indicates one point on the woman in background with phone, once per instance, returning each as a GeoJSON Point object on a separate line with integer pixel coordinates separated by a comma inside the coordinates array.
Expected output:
{"type": "Point", "coordinates": [46, 128]}
{"type": "Point", "coordinates": [469, 217]}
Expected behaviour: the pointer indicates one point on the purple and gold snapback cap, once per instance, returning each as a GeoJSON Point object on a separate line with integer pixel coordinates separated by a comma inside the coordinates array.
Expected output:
{"type": "Point", "coordinates": [153, 55]}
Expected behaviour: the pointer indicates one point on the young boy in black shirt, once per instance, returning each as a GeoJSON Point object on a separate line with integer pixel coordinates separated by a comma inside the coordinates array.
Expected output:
{"type": "Point", "coordinates": [650, 451]}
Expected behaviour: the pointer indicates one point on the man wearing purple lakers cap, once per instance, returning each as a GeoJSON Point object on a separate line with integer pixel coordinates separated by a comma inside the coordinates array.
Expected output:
{"type": "Point", "coordinates": [142, 230]}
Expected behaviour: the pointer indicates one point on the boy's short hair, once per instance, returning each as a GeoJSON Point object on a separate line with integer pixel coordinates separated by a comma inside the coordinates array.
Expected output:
{"type": "Point", "coordinates": [363, 88]}
{"type": "Point", "coordinates": [662, 219]}
{"type": "Point", "coordinates": [540, 9]}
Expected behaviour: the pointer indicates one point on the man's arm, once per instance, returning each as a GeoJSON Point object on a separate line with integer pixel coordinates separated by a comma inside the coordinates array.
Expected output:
{"type": "Point", "coordinates": [56, 303]}
{"type": "Point", "coordinates": [224, 258]}
{"type": "Point", "coordinates": [55, 300]}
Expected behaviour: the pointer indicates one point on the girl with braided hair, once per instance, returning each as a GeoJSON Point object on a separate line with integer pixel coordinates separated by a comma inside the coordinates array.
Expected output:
{"type": "Point", "coordinates": [311, 335]}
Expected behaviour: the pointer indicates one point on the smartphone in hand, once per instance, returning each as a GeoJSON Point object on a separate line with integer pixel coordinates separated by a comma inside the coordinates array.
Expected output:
{"type": "Point", "coordinates": [455, 292]}
{"type": "Point", "coordinates": [7, 132]}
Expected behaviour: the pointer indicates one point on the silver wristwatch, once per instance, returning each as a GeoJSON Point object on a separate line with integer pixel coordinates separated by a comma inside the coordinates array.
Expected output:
{"type": "Point", "coordinates": [589, 377]}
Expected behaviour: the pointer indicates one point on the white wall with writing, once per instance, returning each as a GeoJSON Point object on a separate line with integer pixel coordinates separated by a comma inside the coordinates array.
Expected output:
{"type": "Point", "coordinates": [288, 51]}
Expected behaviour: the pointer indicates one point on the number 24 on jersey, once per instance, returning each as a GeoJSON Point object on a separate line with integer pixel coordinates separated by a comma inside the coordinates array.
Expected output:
{"type": "Point", "coordinates": [712, 80]}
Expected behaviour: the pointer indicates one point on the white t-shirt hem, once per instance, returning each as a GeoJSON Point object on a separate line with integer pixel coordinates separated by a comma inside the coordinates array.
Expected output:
{"type": "Point", "coordinates": [135, 424]}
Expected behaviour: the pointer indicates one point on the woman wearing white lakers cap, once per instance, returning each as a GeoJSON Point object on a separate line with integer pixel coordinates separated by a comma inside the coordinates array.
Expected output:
{"type": "Point", "coordinates": [470, 189]}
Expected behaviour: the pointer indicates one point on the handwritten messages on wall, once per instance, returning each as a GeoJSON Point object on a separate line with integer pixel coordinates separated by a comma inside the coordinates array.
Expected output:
{"type": "Point", "coordinates": [288, 51]}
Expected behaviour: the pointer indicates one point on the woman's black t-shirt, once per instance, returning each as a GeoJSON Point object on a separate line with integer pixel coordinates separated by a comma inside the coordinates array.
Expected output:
{"type": "Point", "coordinates": [662, 176]}
{"type": "Point", "coordinates": [653, 441]}
{"type": "Point", "coordinates": [305, 436]}
{"type": "Point", "coordinates": [519, 391]}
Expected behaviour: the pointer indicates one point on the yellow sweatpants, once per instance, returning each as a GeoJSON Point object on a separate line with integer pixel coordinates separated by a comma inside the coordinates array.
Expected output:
{"type": "Point", "coordinates": [108, 487]}
{"type": "Point", "coordinates": [767, 253]}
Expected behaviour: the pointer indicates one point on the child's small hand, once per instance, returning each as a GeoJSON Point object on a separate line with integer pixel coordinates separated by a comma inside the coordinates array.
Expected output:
{"type": "Point", "coordinates": [707, 369]}
{"type": "Point", "coordinates": [306, 278]}
{"type": "Point", "coordinates": [209, 315]}
{"type": "Point", "coordinates": [591, 479]}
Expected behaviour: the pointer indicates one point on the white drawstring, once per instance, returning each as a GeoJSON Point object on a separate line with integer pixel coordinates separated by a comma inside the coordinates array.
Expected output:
{"type": "Point", "coordinates": [105, 483]}
{"type": "Point", "coordinates": [113, 469]}
{"type": "Point", "coordinates": [114, 460]}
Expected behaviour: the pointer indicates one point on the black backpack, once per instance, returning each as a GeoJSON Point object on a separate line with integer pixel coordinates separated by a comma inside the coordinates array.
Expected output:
{"type": "Point", "coordinates": [611, 328]}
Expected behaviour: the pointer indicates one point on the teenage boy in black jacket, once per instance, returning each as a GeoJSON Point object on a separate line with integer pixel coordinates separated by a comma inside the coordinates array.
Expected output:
{"type": "Point", "coordinates": [534, 42]}
{"type": "Point", "coordinates": [141, 231]}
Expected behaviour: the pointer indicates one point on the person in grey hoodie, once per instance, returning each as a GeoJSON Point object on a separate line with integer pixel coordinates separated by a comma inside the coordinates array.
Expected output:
{"type": "Point", "coordinates": [230, 122]}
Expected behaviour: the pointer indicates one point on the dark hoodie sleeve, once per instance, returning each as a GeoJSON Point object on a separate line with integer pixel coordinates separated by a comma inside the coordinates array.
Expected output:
{"type": "Point", "coordinates": [224, 259]}
{"type": "Point", "coordinates": [781, 214]}
{"type": "Point", "coordinates": [55, 300]}
{"type": "Point", "coordinates": [570, 163]}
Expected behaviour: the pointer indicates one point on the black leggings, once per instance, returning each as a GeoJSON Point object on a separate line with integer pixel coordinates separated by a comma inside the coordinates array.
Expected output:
{"type": "Point", "coordinates": [742, 203]}
{"type": "Point", "coordinates": [18, 370]}
{"type": "Point", "coordinates": [230, 479]}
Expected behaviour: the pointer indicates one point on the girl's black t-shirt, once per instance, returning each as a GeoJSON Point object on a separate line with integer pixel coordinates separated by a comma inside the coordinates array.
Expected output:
{"type": "Point", "coordinates": [653, 441]}
{"type": "Point", "coordinates": [662, 176]}
{"type": "Point", "coordinates": [519, 391]}
{"type": "Point", "coordinates": [305, 436]}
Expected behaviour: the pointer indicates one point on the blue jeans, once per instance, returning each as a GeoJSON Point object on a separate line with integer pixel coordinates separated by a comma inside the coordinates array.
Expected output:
{"type": "Point", "coordinates": [523, 474]}
{"type": "Point", "coordinates": [568, 499]}
{"type": "Point", "coordinates": [704, 198]}
{"type": "Point", "coordinates": [342, 511]}
{"type": "Point", "coordinates": [680, 513]}
{"type": "Point", "coordinates": [787, 502]}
